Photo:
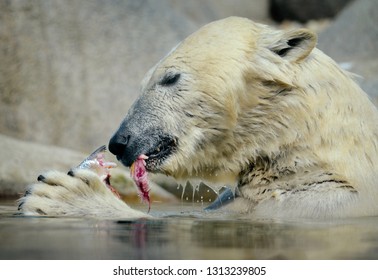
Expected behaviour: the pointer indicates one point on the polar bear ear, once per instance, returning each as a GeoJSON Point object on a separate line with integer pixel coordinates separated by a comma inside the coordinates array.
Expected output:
{"type": "Point", "coordinates": [294, 45]}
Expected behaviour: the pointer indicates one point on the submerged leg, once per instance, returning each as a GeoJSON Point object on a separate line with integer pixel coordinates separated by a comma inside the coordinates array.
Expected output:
{"type": "Point", "coordinates": [223, 199]}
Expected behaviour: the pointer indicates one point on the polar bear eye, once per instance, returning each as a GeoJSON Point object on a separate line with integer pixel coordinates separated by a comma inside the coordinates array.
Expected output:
{"type": "Point", "coordinates": [170, 79]}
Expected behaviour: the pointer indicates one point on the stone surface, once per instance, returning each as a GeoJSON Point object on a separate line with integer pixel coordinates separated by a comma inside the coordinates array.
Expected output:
{"type": "Point", "coordinates": [71, 69]}
{"type": "Point", "coordinates": [352, 40]}
{"type": "Point", "coordinates": [22, 162]}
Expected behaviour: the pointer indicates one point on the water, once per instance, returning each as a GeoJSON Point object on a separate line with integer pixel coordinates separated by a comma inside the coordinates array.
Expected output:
{"type": "Point", "coordinates": [184, 231]}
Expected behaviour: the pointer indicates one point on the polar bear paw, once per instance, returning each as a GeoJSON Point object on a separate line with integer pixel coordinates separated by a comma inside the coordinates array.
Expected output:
{"type": "Point", "coordinates": [78, 193]}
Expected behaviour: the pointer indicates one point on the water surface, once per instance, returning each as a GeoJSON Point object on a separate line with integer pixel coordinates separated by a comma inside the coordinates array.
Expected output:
{"type": "Point", "coordinates": [184, 231]}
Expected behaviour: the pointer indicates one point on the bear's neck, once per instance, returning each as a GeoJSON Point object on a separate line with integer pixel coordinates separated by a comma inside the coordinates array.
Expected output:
{"type": "Point", "coordinates": [264, 169]}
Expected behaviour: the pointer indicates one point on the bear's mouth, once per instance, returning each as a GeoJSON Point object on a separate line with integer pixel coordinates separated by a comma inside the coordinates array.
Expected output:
{"type": "Point", "coordinates": [164, 149]}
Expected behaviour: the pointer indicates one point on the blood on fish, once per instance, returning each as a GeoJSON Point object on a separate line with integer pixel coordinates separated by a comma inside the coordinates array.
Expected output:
{"type": "Point", "coordinates": [139, 174]}
{"type": "Point", "coordinates": [110, 187]}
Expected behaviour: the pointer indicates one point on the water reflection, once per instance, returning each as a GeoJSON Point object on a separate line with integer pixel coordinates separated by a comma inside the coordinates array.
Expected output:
{"type": "Point", "coordinates": [185, 234]}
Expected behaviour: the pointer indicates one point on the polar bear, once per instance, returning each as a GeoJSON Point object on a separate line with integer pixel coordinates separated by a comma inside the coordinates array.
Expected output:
{"type": "Point", "coordinates": [243, 104]}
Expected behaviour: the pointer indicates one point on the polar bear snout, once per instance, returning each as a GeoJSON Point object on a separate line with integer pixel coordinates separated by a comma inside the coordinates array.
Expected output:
{"type": "Point", "coordinates": [154, 143]}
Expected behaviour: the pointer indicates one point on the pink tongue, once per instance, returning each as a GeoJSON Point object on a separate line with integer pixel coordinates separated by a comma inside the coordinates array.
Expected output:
{"type": "Point", "coordinates": [139, 174]}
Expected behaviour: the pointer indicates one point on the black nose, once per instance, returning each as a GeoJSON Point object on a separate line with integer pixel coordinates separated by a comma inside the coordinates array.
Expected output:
{"type": "Point", "coordinates": [117, 144]}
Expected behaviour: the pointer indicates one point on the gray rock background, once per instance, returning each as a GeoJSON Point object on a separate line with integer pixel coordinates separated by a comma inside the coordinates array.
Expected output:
{"type": "Point", "coordinates": [69, 70]}
{"type": "Point", "coordinates": [352, 40]}
{"type": "Point", "coordinates": [23, 161]}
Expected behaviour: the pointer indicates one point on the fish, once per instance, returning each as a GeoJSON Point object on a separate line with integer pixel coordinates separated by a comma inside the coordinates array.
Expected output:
{"type": "Point", "coordinates": [139, 174]}
{"type": "Point", "coordinates": [97, 163]}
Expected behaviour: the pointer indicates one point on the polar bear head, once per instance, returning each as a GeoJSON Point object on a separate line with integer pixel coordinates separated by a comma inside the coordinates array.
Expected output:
{"type": "Point", "coordinates": [227, 94]}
